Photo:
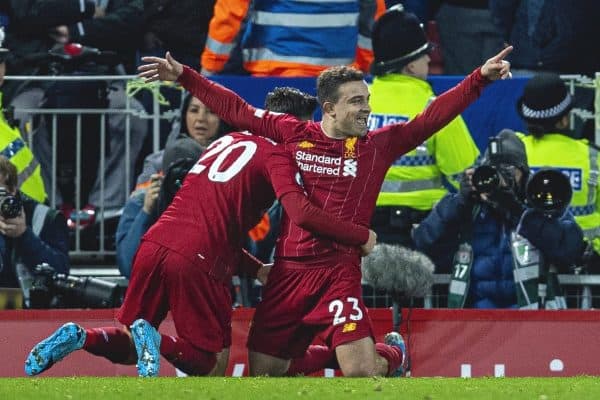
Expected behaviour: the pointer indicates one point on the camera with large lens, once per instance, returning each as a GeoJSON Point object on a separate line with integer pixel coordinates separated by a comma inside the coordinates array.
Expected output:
{"type": "Point", "coordinates": [549, 191]}
{"type": "Point", "coordinates": [10, 205]}
{"type": "Point", "coordinates": [50, 289]}
{"type": "Point", "coordinates": [485, 179]}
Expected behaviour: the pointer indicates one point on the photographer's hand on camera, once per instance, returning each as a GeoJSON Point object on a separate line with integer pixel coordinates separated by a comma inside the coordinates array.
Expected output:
{"type": "Point", "coordinates": [467, 192]}
{"type": "Point", "coordinates": [151, 196]}
{"type": "Point", "coordinates": [505, 201]}
{"type": "Point", "coordinates": [13, 227]}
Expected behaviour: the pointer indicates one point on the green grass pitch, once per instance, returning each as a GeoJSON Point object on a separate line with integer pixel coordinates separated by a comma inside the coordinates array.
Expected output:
{"type": "Point", "coordinates": [124, 388]}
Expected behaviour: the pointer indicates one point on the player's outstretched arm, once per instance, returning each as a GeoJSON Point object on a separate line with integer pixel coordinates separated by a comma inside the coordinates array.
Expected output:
{"type": "Point", "coordinates": [311, 218]}
{"type": "Point", "coordinates": [160, 69]}
{"type": "Point", "coordinates": [230, 107]}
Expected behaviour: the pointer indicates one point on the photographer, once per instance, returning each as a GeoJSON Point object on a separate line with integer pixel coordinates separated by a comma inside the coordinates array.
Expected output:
{"type": "Point", "coordinates": [489, 239]}
{"type": "Point", "coordinates": [30, 233]}
{"type": "Point", "coordinates": [545, 109]}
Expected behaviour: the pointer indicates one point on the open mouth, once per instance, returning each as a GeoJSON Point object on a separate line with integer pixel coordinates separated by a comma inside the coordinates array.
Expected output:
{"type": "Point", "coordinates": [362, 121]}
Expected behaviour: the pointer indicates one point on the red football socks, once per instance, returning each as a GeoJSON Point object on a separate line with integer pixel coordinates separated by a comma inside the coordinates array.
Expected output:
{"type": "Point", "coordinates": [185, 357]}
{"type": "Point", "coordinates": [112, 343]}
{"type": "Point", "coordinates": [315, 359]}
{"type": "Point", "coordinates": [392, 354]}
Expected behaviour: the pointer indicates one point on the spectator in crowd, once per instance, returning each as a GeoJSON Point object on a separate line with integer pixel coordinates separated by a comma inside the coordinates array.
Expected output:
{"type": "Point", "coordinates": [31, 233]}
{"type": "Point", "coordinates": [343, 168]}
{"type": "Point", "coordinates": [418, 179]}
{"type": "Point", "coordinates": [13, 147]}
{"type": "Point", "coordinates": [186, 261]}
{"type": "Point", "coordinates": [544, 107]}
{"type": "Point", "coordinates": [496, 240]}
{"type": "Point", "coordinates": [196, 121]}
{"type": "Point", "coordinates": [36, 27]}
{"type": "Point", "coordinates": [553, 35]}
{"type": "Point", "coordinates": [178, 25]}
{"type": "Point", "coordinates": [467, 34]}
{"type": "Point", "coordinates": [282, 38]}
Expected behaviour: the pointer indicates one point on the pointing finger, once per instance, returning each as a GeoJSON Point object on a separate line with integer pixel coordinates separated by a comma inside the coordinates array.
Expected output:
{"type": "Point", "coordinates": [502, 54]}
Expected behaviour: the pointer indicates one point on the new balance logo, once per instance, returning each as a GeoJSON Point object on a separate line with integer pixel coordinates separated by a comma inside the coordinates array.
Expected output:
{"type": "Point", "coordinates": [350, 168]}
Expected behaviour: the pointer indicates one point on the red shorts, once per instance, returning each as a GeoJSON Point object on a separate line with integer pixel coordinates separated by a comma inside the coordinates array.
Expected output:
{"type": "Point", "coordinates": [162, 280]}
{"type": "Point", "coordinates": [300, 303]}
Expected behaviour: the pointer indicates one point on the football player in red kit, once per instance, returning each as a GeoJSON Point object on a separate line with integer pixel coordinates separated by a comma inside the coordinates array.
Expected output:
{"type": "Point", "coordinates": [315, 285]}
{"type": "Point", "coordinates": [186, 260]}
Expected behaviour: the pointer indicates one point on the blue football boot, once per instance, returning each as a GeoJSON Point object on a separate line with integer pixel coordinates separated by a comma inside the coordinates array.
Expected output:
{"type": "Point", "coordinates": [147, 346]}
{"type": "Point", "coordinates": [64, 341]}
{"type": "Point", "coordinates": [395, 339]}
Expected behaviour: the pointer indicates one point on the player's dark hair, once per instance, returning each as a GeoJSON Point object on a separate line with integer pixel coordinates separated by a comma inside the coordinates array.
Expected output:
{"type": "Point", "coordinates": [330, 80]}
{"type": "Point", "coordinates": [289, 100]}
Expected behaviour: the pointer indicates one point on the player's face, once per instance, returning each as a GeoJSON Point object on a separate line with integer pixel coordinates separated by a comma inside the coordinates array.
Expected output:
{"type": "Point", "coordinates": [352, 109]}
{"type": "Point", "coordinates": [202, 124]}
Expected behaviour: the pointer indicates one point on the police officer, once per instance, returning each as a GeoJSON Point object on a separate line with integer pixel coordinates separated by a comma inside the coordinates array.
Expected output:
{"type": "Point", "coordinates": [544, 107]}
{"type": "Point", "coordinates": [13, 147]}
{"type": "Point", "coordinates": [400, 91]}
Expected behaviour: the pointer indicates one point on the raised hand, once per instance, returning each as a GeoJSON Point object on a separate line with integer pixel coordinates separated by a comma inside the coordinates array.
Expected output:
{"type": "Point", "coordinates": [163, 69]}
{"type": "Point", "coordinates": [496, 67]}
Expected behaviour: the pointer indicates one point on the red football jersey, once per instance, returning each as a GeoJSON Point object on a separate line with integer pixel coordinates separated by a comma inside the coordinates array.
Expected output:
{"type": "Point", "coordinates": [224, 195]}
{"type": "Point", "coordinates": [342, 176]}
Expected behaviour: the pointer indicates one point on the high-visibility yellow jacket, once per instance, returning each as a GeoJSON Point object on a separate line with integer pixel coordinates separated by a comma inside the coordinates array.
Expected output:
{"type": "Point", "coordinates": [416, 179]}
{"type": "Point", "coordinates": [577, 159]}
{"type": "Point", "coordinates": [13, 147]}
{"type": "Point", "coordinates": [291, 38]}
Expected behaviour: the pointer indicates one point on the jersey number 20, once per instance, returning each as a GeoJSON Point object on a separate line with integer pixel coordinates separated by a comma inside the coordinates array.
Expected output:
{"type": "Point", "coordinates": [223, 147]}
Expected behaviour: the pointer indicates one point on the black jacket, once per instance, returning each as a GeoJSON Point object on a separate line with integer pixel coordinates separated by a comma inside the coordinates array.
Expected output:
{"type": "Point", "coordinates": [30, 21]}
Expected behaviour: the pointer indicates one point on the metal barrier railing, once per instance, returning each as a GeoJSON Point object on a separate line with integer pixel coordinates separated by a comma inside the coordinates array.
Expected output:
{"type": "Point", "coordinates": [129, 112]}
{"type": "Point", "coordinates": [580, 291]}
{"type": "Point", "coordinates": [582, 81]}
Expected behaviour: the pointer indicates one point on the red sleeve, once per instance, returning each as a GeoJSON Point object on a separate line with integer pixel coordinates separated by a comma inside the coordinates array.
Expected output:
{"type": "Point", "coordinates": [249, 264]}
{"type": "Point", "coordinates": [406, 136]}
{"type": "Point", "coordinates": [282, 172]}
{"type": "Point", "coordinates": [236, 111]}
{"type": "Point", "coordinates": [305, 215]}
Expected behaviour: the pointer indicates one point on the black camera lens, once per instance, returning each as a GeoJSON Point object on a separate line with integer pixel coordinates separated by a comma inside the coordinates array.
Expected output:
{"type": "Point", "coordinates": [549, 191]}
{"type": "Point", "coordinates": [485, 179]}
{"type": "Point", "coordinates": [10, 206]}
